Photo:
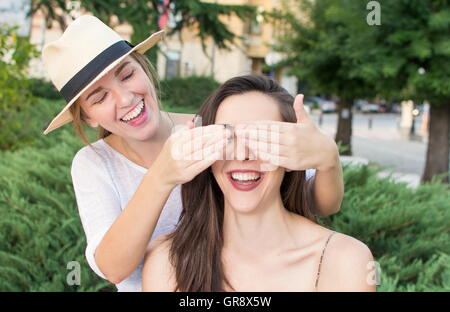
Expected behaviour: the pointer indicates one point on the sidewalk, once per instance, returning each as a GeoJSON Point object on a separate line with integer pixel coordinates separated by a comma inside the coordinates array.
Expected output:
{"type": "Point", "coordinates": [411, 180]}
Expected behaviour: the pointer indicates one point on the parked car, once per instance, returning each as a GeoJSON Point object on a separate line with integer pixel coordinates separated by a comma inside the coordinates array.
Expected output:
{"type": "Point", "coordinates": [326, 106]}
{"type": "Point", "coordinates": [360, 103]}
{"type": "Point", "coordinates": [396, 108]}
{"type": "Point", "coordinates": [370, 108]}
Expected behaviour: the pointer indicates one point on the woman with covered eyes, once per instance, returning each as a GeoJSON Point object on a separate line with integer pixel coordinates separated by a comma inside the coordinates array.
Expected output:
{"type": "Point", "coordinates": [127, 182]}
{"type": "Point", "coordinates": [247, 229]}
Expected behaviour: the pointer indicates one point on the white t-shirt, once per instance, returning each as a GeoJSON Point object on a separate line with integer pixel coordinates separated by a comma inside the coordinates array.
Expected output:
{"type": "Point", "coordinates": [104, 181]}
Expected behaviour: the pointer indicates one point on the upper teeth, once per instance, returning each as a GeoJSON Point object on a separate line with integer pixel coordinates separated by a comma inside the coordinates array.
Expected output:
{"type": "Point", "coordinates": [245, 176]}
{"type": "Point", "coordinates": [136, 111]}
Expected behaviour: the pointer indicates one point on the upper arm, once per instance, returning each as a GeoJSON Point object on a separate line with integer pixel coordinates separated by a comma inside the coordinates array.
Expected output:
{"type": "Point", "coordinates": [157, 272]}
{"type": "Point", "coordinates": [347, 265]}
{"type": "Point", "coordinates": [325, 199]}
{"type": "Point", "coordinates": [97, 200]}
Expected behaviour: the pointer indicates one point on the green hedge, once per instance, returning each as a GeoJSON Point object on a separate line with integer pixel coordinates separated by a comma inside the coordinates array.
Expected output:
{"type": "Point", "coordinates": [33, 122]}
{"type": "Point", "coordinates": [186, 93]}
{"type": "Point", "coordinates": [407, 230]}
{"type": "Point", "coordinates": [41, 230]}
{"type": "Point", "coordinates": [44, 89]}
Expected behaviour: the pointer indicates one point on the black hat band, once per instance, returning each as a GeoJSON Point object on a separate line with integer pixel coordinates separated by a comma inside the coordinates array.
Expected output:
{"type": "Point", "coordinates": [94, 68]}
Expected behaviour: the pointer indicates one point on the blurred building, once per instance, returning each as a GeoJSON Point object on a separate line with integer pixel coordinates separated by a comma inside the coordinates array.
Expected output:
{"type": "Point", "coordinates": [183, 54]}
{"type": "Point", "coordinates": [187, 57]}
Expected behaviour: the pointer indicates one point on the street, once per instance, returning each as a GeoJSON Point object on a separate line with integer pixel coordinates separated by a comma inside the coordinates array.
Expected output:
{"type": "Point", "coordinates": [383, 142]}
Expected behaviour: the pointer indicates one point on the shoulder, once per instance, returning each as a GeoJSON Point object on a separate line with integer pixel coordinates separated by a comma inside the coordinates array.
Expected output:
{"type": "Point", "coordinates": [90, 161]}
{"type": "Point", "coordinates": [157, 272]}
{"type": "Point", "coordinates": [89, 153]}
{"type": "Point", "coordinates": [347, 265]}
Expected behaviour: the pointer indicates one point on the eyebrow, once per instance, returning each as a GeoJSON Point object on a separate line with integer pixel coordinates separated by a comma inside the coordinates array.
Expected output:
{"type": "Point", "coordinates": [116, 73]}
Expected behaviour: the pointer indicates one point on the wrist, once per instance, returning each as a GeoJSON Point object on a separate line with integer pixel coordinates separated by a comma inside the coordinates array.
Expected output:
{"type": "Point", "coordinates": [332, 161]}
{"type": "Point", "coordinates": [159, 180]}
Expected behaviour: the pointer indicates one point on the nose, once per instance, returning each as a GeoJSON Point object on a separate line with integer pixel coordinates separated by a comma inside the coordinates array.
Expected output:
{"type": "Point", "coordinates": [124, 98]}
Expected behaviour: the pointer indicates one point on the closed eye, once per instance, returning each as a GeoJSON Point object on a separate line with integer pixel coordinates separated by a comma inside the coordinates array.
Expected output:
{"type": "Point", "coordinates": [102, 98]}
{"type": "Point", "coordinates": [106, 93]}
{"type": "Point", "coordinates": [128, 76]}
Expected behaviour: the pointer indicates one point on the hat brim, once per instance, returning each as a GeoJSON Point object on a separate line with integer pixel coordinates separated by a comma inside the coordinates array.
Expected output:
{"type": "Point", "coordinates": [64, 116]}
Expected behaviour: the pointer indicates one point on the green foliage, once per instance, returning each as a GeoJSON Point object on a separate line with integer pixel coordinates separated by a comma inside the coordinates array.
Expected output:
{"type": "Point", "coordinates": [41, 230]}
{"type": "Point", "coordinates": [206, 17]}
{"type": "Point", "coordinates": [322, 47]}
{"type": "Point", "coordinates": [15, 98]}
{"type": "Point", "coordinates": [407, 230]}
{"type": "Point", "coordinates": [412, 35]}
{"type": "Point", "coordinates": [143, 16]}
{"type": "Point", "coordinates": [187, 93]}
{"type": "Point", "coordinates": [34, 121]}
{"type": "Point", "coordinates": [44, 89]}
{"type": "Point", "coordinates": [335, 49]}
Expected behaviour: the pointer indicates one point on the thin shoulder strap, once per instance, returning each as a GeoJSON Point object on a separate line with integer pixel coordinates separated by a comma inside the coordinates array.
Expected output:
{"type": "Point", "coordinates": [321, 257]}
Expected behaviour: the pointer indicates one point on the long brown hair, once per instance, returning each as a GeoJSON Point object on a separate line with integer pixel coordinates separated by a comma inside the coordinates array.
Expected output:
{"type": "Point", "coordinates": [196, 244]}
{"type": "Point", "coordinates": [79, 116]}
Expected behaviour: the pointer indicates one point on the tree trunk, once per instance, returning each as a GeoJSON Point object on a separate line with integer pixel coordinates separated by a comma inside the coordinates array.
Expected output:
{"type": "Point", "coordinates": [344, 128]}
{"type": "Point", "coordinates": [438, 143]}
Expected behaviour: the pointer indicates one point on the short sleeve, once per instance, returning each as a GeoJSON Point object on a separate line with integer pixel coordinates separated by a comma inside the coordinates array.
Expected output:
{"type": "Point", "coordinates": [309, 173]}
{"type": "Point", "coordinates": [97, 199]}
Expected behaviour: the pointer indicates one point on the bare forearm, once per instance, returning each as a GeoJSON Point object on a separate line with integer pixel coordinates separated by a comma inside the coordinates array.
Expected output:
{"type": "Point", "coordinates": [124, 245]}
{"type": "Point", "coordinates": [328, 188]}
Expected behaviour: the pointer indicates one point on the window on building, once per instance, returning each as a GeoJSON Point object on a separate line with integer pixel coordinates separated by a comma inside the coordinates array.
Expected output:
{"type": "Point", "coordinates": [172, 64]}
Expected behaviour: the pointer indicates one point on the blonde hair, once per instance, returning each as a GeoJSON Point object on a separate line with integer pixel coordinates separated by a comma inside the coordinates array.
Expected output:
{"type": "Point", "coordinates": [79, 116]}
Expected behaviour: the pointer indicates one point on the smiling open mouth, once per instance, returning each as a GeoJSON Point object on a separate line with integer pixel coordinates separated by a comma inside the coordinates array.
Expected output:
{"type": "Point", "coordinates": [245, 177]}
{"type": "Point", "coordinates": [245, 180]}
{"type": "Point", "coordinates": [135, 114]}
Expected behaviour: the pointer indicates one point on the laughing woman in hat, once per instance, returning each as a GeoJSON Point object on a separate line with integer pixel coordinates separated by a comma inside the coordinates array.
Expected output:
{"type": "Point", "coordinates": [127, 183]}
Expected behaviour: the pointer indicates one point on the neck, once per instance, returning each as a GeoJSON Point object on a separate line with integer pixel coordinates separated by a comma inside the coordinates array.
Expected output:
{"type": "Point", "coordinates": [144, 152]}
{"type": "Point", "coordinates": [267, 230]}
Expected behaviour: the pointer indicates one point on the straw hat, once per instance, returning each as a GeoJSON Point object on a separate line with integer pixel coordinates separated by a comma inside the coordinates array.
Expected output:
{"type": "Point", "coordinates": [87, 50]}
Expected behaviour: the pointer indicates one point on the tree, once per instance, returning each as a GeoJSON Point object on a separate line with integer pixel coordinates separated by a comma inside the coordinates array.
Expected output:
{"type": "Point", "coordinates": [406, 54]}
{"type": "Point", "coordinates": [411, 57]}
{"type": "Point", "coordinates": [321, 48]}
{"type": "Point", "coordinates": [143, 16]}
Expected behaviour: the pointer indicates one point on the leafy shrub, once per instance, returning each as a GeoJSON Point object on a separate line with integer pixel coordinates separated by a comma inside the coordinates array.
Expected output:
{"type": "Point", "coordinates": [41, 230]}
{"type": "Point", "coordinates": [407, 230]}
{"type": "Point", "coordinates": [15, 97]}
{"type": "Point", "coordinates": [44, 89]}
{"type": "Point", "coordinates": [42, 111]}
{"type": "Point", "coordinates": [189, 92]}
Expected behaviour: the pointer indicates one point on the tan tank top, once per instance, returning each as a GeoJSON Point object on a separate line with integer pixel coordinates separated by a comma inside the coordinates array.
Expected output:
{"type": "Point", "coordinates": [321, 257]}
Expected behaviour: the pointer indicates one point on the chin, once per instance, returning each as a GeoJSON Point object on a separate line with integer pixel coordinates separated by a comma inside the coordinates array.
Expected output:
{"type": "Point", "coordinates": [243, 203]}
{"type": "Point", "coordinates": [149, 131]}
